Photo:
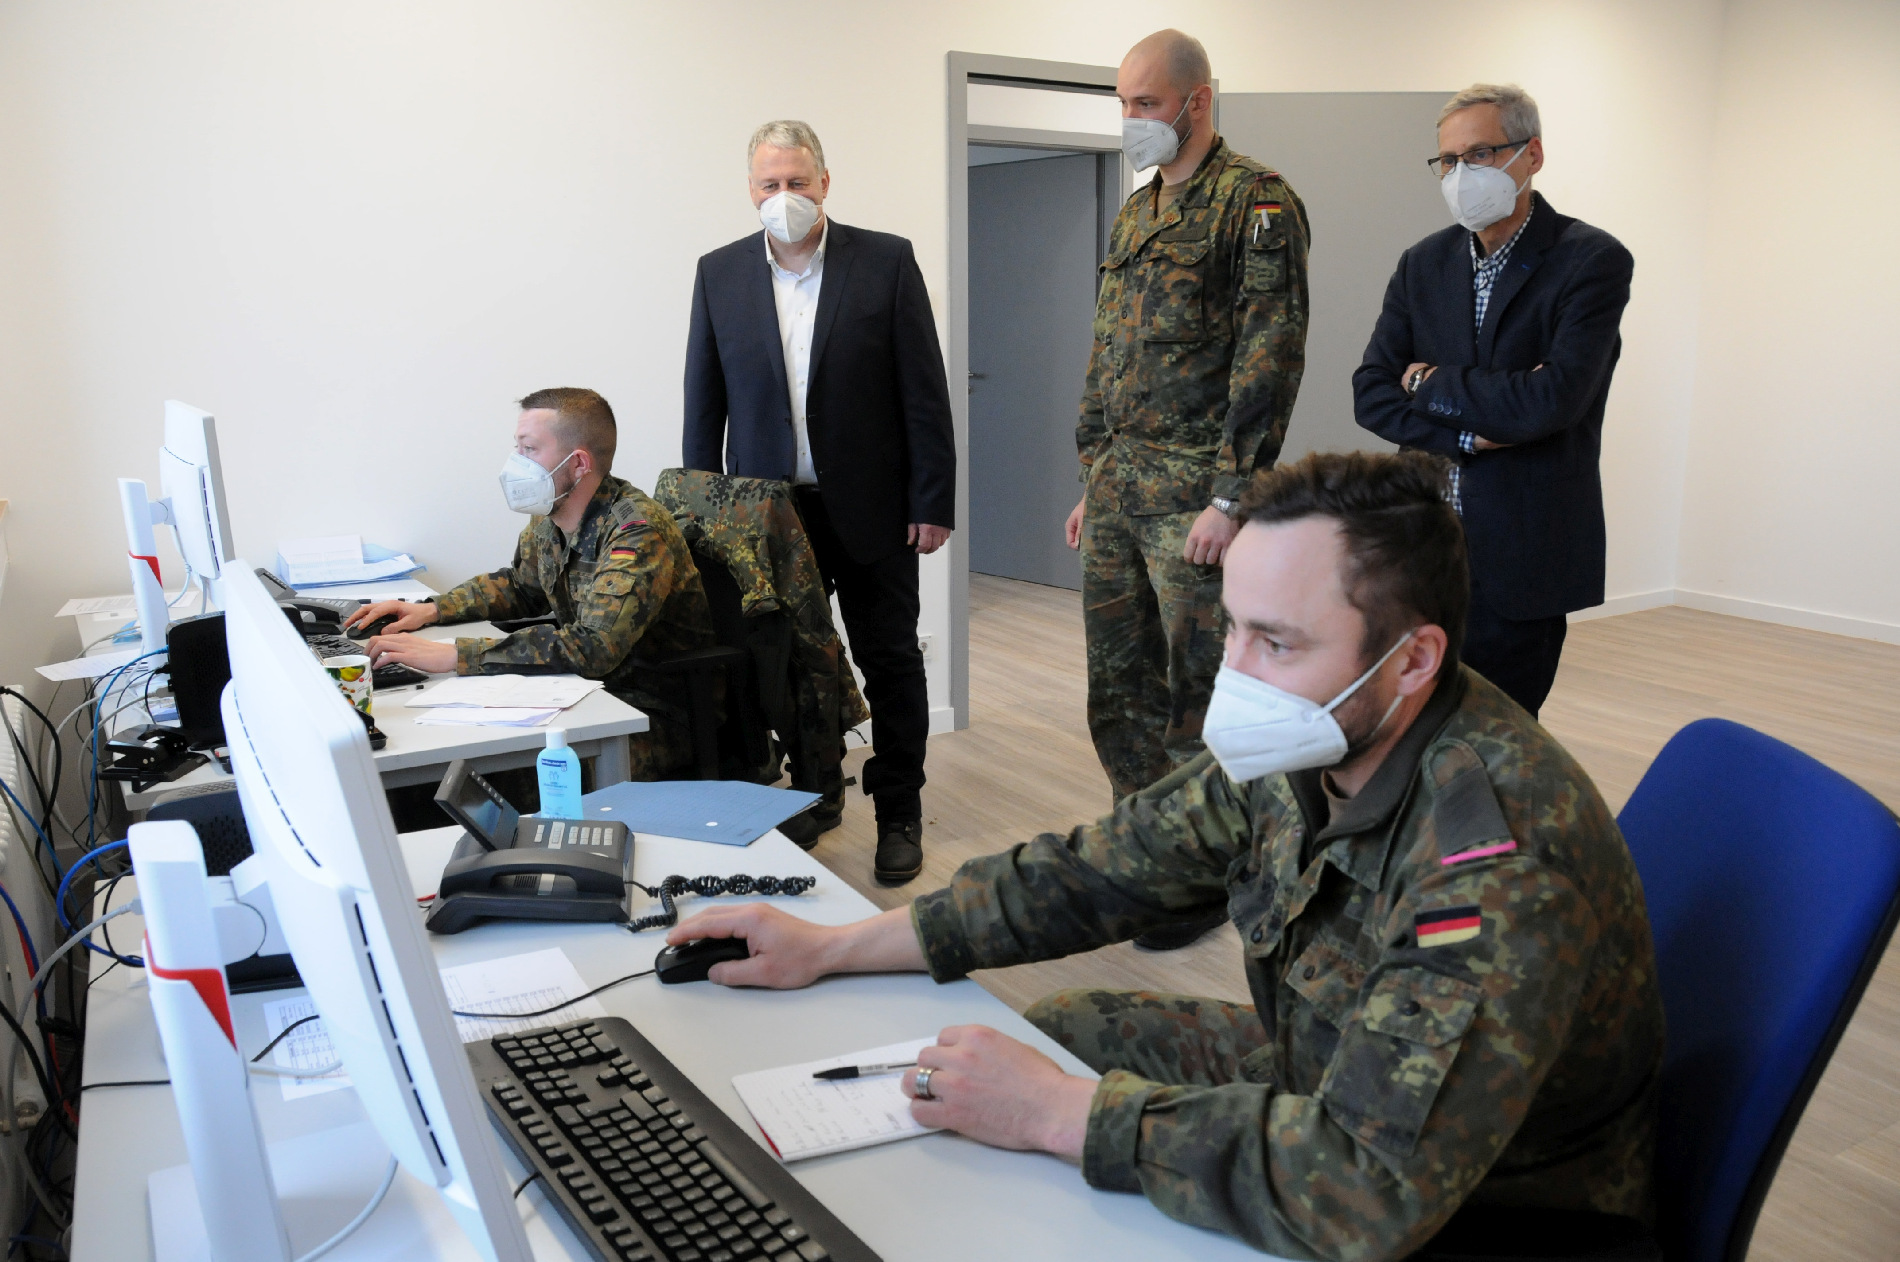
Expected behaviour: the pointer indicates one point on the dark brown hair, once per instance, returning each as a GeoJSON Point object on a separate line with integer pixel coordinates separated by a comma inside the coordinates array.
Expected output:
{"type": "Point", "coordinates": [1405, 547]}
{"type": "Point", "coordinates": [583, 419]}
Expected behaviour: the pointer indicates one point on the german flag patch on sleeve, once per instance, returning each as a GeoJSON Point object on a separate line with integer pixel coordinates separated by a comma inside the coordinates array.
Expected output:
{"type": "Point", "coordinates": [1448, 925]}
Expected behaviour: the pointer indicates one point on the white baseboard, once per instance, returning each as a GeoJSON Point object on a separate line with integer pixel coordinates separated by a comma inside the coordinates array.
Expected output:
{"type": "Point", "coordinates": [1735, 607]}
{"type": "Point", "coordinates": [1633, 603]}
{"type": "Point", "coordinates": [1789, 616]}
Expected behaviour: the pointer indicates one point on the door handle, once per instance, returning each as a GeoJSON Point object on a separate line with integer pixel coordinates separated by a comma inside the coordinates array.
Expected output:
{"type": "Point", "coordinates": [977, 376]}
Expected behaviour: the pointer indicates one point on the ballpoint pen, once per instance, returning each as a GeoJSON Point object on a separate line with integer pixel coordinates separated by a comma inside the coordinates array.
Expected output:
{"type": "Point", "coordinates": [843, 1072]}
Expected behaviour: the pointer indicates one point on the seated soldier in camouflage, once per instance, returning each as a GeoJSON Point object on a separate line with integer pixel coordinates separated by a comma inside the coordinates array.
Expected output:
{"type": "Point", "coordinates": [1455, 1006]}
{"type": "Point", "coordinates": [598, 554]}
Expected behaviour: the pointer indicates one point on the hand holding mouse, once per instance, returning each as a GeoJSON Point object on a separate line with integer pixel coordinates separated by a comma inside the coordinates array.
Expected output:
{"type": "Point", "coordinates": [407, 616]}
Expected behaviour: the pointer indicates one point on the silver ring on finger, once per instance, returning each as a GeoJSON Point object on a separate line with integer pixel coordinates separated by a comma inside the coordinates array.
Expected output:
{"type": "Point", "coordinates": [923, 1084]}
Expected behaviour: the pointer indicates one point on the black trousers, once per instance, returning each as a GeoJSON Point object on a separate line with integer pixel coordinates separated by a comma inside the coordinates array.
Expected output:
{"type": "Point", "coordinates": [1519, 656]}
{"type": "Point", "coordinates": [879, 603]}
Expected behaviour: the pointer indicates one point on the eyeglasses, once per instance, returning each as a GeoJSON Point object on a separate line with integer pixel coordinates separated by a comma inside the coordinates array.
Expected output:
{"type": "Point", "coordinates": [1481, 156]}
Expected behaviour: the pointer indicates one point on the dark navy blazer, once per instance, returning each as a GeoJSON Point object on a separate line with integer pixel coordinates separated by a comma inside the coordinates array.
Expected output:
{"type": "Point", "coordinates": [1536, 376]}
{"type": "Point", "coordinates": [877, 406]}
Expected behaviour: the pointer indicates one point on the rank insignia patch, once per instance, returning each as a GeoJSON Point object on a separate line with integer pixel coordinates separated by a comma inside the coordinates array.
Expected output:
{"type": "Point", "coordinates": [1477, 852]}
{"type": "Point", "coordinates": [1447, 925]}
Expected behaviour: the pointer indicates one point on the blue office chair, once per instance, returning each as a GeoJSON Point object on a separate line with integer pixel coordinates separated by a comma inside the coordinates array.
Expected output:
{"type": "Point", "coordinates": [1773, 885]}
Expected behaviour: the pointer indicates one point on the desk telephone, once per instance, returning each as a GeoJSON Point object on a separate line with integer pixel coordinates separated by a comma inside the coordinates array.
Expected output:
{"type": "Point", "coordinates": [526, 868]}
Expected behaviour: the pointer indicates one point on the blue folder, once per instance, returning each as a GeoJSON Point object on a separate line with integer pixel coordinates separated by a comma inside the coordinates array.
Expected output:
{"type": "Point", "coordinates": [730, 812]}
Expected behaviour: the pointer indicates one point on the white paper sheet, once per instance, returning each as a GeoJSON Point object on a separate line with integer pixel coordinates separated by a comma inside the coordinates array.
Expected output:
{"type": "Point", "coordinates": [510, 985]}
{"type": "Point", "coordinates": [100, 606]}
{"type": "Point", "coordinates": [803, 1116]}
{"type": "Point", "coordinates": [94, 667]}
{"type": "Point", "coordinates": [306, 1047]}
{"type": "Point", "coordinates": [530, 692]}
{"type": "Point", "coordinates": [485, 716]}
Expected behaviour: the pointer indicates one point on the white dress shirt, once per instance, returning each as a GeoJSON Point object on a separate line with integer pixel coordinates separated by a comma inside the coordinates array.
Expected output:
{"type": "Point", "coordinates": [796, 296]}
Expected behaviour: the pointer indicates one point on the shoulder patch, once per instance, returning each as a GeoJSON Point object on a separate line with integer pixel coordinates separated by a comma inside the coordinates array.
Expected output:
{"type": "Point", "coordinates": [1466, 817]}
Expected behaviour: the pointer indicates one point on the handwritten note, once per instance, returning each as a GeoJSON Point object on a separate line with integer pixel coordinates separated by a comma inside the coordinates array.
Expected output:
{"type": "Point", "coordinates": [804, 1116]}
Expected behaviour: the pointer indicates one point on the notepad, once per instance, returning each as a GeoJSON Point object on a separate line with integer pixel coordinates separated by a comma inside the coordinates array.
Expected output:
{"type": "Point", "coordinates": [802, 1116]}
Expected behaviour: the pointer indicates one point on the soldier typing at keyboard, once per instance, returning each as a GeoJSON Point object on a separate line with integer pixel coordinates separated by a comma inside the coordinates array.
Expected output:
{"type": "Point", "coordinates": [599, 555]}
{"type": "Point", "coordinates": [1455, 1031]}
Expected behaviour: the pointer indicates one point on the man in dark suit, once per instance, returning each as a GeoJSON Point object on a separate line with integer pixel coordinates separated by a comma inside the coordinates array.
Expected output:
{"type": "Point", "coordinates": [813, 359]}
{"type": "Point", "coordinates": [1495, 348]}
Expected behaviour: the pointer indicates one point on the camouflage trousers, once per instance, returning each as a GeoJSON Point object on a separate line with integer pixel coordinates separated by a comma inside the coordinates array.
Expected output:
{"type": "Point", "coordinates": [663, 752]}
{"type": "Point", "coordinates": [1178, 1040]}
{"type": "Point", "coordinates": [1152, 621]}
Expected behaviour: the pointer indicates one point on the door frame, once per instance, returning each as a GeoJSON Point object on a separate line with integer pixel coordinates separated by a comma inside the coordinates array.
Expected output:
{"type": "Point", "coordinates": [964, 69]}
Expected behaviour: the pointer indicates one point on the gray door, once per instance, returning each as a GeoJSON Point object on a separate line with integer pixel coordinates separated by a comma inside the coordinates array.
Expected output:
{"type": "Point", "coordinates": [1357, 159]}
{"type": "Point", "coordinates": [1034, 229]}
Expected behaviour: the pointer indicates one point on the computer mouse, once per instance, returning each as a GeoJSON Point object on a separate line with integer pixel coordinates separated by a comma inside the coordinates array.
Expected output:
{"type": "Point", "coordinates": [690, 961]}
{"type": "Point", "coordinates": [364, 630]}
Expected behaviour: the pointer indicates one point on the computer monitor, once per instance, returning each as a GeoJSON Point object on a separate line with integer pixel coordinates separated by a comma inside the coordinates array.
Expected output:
{"type": "Point", "coordinates": [192, 480]}
{"type": "Point", "coordinates": [320, 825]}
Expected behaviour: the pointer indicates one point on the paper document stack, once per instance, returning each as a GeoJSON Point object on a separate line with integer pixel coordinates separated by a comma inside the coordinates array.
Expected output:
{"type": "Point", "coordinates": [499, 700]}
{"type": "Point", "coordinates": [339, 559]}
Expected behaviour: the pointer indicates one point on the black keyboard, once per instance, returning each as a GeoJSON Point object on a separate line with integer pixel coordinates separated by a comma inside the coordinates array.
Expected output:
{"type": "Point", "coordinates": [394, 675]}
{"type": "Point", "coordinates": [641, 1164]}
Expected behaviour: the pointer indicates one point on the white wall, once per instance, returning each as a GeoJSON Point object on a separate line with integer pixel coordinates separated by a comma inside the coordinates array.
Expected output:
{"type": "Point", "coordinates": [1791, 511]}
{"type": "Point", "coordinates": [355, 231]}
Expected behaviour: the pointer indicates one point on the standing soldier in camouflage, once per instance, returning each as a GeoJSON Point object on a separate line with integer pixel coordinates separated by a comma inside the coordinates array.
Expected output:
{"type": "Point", "coordinates": [1455, 1033]}
{"type": "Point", "coordinates": [1200, 336]}
{"type": "Point", "coordinates": [600, 556]}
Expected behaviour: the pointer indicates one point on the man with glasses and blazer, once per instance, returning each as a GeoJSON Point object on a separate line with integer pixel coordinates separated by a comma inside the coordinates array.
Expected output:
{"type": "Point", "coordinates": [1495, 348]}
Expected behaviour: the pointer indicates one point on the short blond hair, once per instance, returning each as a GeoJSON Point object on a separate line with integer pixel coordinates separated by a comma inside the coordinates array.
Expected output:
{"type": "Point", "coordinates": [1183, 55]}
{"type": "Point", "coordinates": [1516, 110]}
{"type": "Point", "coordinates": [787, 133]}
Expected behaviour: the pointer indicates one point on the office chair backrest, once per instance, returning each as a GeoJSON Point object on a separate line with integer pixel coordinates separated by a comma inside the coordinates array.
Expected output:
{"type": "Point", "coordinates": [722, 600]}
{"type": "Point", "coordinates": [1773, 886]}
{"type": "Point", "coordinates": [745, 741]}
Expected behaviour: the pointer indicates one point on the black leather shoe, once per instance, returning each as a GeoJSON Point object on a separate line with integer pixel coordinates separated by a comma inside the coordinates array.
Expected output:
{"type": "Point", "coordinates": [900, 851]}
{"type": "Point", "coordinates": [1174, 937]}
{"type": "Point", "coordinates": [805, 827]}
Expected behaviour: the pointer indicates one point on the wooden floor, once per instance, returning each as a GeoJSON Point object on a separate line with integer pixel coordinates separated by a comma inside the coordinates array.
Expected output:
{"type": "Point", "coordinates": [1627, 684]}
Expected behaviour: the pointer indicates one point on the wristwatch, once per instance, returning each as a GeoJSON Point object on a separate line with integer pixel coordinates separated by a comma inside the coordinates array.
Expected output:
{"type": "Point", "coordinates": [1412, 382]}
{"type": "Point", "coordinates": [1226, 506]}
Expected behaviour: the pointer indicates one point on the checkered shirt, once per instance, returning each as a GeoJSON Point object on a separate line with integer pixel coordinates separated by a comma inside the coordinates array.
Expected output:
{"type": "Point", "coordinates": [1484, 274]}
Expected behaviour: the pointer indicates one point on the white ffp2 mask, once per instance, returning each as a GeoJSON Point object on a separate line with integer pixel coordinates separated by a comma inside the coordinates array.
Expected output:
{"type": "Point", "coordinates": [789, 216]}
{"type": "Point", "coordinates": [528, 487]}
{"type": "Point", "coordinates": [1149, 142]}
{"type": "Point", "coordinates": [1480, 196]}
{"type": "Point", "coordinates": [1254, 729]}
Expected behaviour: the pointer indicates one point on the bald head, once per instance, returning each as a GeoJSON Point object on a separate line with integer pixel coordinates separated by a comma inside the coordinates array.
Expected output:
{"type": "Point", "coordinates": [1178, 57]}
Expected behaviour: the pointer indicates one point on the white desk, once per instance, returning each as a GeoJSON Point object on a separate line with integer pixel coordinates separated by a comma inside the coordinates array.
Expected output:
{"type": "Point", "coordinates": [940, 1197]}
{"type": "Point", "coordinates": [417, 753]}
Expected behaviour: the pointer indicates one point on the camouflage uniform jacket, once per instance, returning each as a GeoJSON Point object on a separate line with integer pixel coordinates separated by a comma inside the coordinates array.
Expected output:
{"type": "Point", "coordinates": [1200, 338]}
{"type": "Point", "coordinates": [1455, 979]}
{"type": "Point", "coordinates": [623, 580]}
{"type": "Point", "coordinates": [751, 526]}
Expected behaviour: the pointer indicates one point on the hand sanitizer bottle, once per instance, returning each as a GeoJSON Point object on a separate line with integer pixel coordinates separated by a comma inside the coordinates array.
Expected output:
{"type": "Point", "coordinates": [559, 771]}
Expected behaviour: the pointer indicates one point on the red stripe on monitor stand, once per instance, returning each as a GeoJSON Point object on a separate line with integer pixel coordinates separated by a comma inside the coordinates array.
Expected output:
{"type": "Point", "coordinates": [208, 982]}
